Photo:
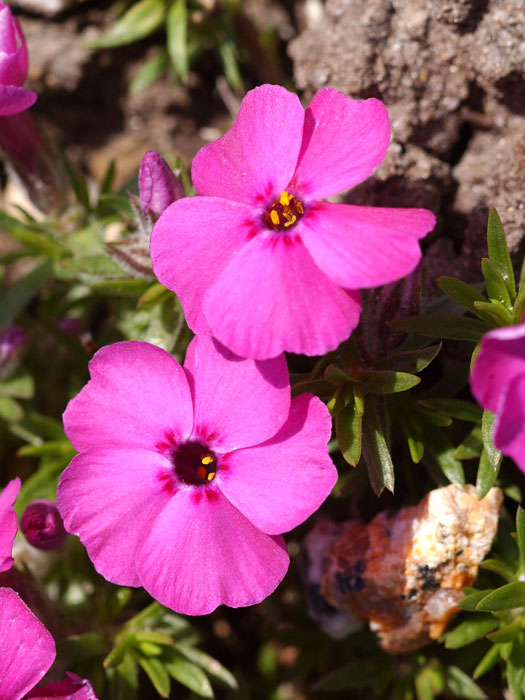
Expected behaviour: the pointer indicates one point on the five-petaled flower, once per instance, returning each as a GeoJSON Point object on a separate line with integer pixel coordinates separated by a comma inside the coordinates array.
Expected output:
{"type": "Point", "coordinates": [27, 649]}
{"type": "Point", "coordinates": [14, 97]}
{"type": "Point", "coordinates": [258, 260]}
{"type": "Point", "coordinates": [187, 477]}
{"type": "Point", "coordinates": [498, 383]}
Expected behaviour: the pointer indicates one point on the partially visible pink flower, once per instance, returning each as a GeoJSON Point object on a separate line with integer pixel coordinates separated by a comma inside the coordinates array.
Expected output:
{"type": "Point", "coordinates": [158, 186]}
{"type": "Point", "coordinates": [258, 260]}
{"type": "Point", "coordinates": [42, 525]}
{"type": "Point", "coordinates": [14, 97]}
{"type": "Point", "coordinates": [186, 477]}
{"type": "Point", "coordinates": [498, 383]}
{"type": "Point", "coordinates": [8, 524]}
{"type": "Point", "coordinates": [72, 688]}
{"type": "Point", "coordinates": [27, 650]}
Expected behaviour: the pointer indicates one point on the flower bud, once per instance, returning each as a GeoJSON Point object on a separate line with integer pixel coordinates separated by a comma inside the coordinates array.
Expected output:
{"type": "Point", "coordinates": [11, 342]}
{"type": "Point", "coordinates": [158, 186]}
{"type": "Point", "coordinates": [13, 66]}
{"type": "Point", "coordinates": [42, 525]}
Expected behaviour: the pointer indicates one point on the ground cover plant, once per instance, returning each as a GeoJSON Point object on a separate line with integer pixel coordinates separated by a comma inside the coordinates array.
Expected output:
{"type": "Point", "coordinates": [252, 445]}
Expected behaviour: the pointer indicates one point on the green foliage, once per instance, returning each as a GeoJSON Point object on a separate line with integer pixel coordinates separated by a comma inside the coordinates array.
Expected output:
{"type": "Point", "coordinates": [190, 28]}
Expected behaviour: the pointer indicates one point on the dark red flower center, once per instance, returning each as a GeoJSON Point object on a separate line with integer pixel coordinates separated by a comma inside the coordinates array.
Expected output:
{"type": "Point", "coordinates": [284, 213]}
{"type": "Point", "coordinates": [194, 463]}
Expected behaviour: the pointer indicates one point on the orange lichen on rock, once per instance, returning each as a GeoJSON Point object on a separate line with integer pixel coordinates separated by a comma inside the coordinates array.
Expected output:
{"type": "Point", "coordinates": [404, 571]}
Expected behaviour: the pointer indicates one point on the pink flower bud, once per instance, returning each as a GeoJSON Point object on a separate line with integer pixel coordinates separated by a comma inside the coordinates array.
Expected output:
{"type": "Point", "coordinates": [14, 97]}
{"type": "Point", "coordinates": [11, 341]}
{"type": "Point", "coordinates": [158, 186]}
{"type": "Point", "coordinates": [42, 525]}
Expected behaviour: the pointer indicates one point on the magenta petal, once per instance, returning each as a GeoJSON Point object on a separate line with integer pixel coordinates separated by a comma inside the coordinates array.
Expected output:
{"type": "Point", "coordinates": [509, 433]}
{"type": "Point", "coordinates": [15, 99]}
{"type": "Point", "coordinates": [500, 361]}
{"type": "Point", "coordinates": [344, 141]}
{"type": "Point", "coordinates": [8, 524]}
{"type": "Point", "coordinates": [360, 247]}
{"type": "Point", "coordinates": [109, 498]}
{"type": "Point", "coordinates": [72, 688]}
{"type": "Point", "coordinates": [237, 402]}
{"type": "Point", "coordinates": [27, 650]}
{"type": "Point", "coordinates": [201, 553]}
{"type": "Point", "coordinates": [192, 243]}
{"type": "Point", "coordinates": [278, 484]}
{"type": "Point", "coordinates": [137, 393]}
{"type": "Point", "coordinates": [257, 157]}
{"type": "Point", "coordinates": [272, 297]}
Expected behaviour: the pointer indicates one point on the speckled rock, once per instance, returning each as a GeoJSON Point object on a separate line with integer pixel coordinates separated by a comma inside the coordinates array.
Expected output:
{"type": "Point", "coordinates": [452, 74]}
{"type": "Point", "coordinates": [404, 571]}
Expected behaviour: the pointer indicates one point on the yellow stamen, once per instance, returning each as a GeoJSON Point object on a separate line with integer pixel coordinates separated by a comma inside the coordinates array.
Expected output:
{"type": "Point", "coordinates": [299, 206]}
{"type": "Point", "coordinates": [207, 459]}
{"type": "Point", "coordinates": [274, 216]}
{"type": "Point", "coordinates": [285, 198]}
{"type": "Point", "coordinates": [210, 476]}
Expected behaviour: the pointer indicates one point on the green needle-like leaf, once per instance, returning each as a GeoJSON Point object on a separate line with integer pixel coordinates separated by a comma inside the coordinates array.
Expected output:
{"type": "Point", "coordinates": [384, 382]}
{"type": "Point", "coordinates": [348, 430]}
{"type": "Point", "coordinates": [462, 293]}
{"type": "Point", "coordinates": [505, 598]}
{"type": "Point", "coordinates": [375, 449]}
{"type": "Point", "coordinates": [487, 433]}
{"type": "Point", "coordinates": [486, 476]}
{"type": "Point", "coordinates": [508, 633]}
{"type": "Point", "coordinates": [177, 30]}
{"type": "Point", "coordinates": [499, 254]}
{"type": "Point", "coordinates": [495, 284]}
{"type": "Point", "coordinates": [474, 627]}
{"type": "Point", "coordinates": [141, 20]}
{"type": "Point", "coordinates": [520, 538]}
{"type": "Point", "coordinates": [442, 325]}
{"type": "Point", "coordinates": [488, 662]}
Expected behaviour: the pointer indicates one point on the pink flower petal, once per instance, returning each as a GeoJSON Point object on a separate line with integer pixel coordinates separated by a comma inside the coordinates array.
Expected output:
{"type": "Point", "coordinates": [344, 141]}
{"type": "Point", "coordinates": [192, 243]}
{"type": "Point", "coordinates": [278, 484]}
{"type": "Point", "coordinates": [11, 68]}
{"type": "Point", "coordinates": [27, 650]}
{"type": "Point", "coordinates": [272, 297]}
{"type": "Point", "coordinates": [204, 553]}
{"type": "Point", "coordinates": [15, 99]}
{"type": "Point", "coordinates": [360, 247]}
{"type": "Point", "coordinates": [500, 361]}
{"type": "Point", "coordinates": [133, 384]}
{"type": "Point", "coordinates": [509, 434]}
{"type": "Point", "coordinates": [72, 688]}
{"type": "Point", "coordinates": [8, 523]}
{"type": "Point", "coordinates": [241, 402]}
{"type": "Point", "coordinates": [109, 498]}
{"type": "Point", "coordinates": [257, 157]}
{"type": "Point", "coordinates": [7, 30]}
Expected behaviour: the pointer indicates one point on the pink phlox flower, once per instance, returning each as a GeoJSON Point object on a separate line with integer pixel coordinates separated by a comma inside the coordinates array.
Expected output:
{"type": "Point", "coordinates": [498, 383]}
{"type": "Point", "coordinates": [258, 260]}
{"type": "Point", "coordinates": [8, 523]}
{"type": "Point", "coordinates": [14, 97]}
{"type": "Point", "coordinates": [72, 688]}
{"type": "Point", "coordinates": [187, 477]}
{"type": "Point", "coordinates": [27, 650]}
